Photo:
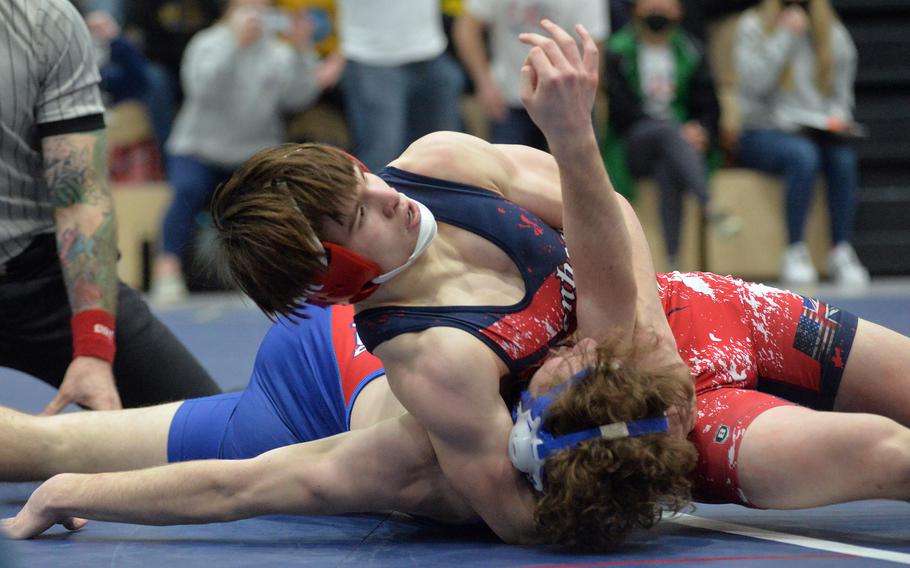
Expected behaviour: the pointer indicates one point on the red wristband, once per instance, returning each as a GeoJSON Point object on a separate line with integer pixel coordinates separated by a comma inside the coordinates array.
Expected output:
{"type": "Point", "coordinates": [93, 334]}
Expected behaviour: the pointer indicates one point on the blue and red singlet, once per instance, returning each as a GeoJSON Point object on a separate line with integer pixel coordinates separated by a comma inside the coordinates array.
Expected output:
{"type": "Point", "coordinates": [305, 380]}
{"type": "Point", "coordinates": [521, 334]}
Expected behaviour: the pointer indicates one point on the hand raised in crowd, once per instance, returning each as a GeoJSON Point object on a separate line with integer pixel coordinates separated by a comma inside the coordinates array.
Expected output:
{"type": "Point", "coordinates": [88, 382]}
{"type": "Point", "coordinates": [247, 25]}
{"type": "Point", "coordinates": [696, 135]}
{"type": "Point", "coordinates": [794, 19]}
{"type": "Point", "coordinates": [559, 83]}
{"type": "Point", "coordinates": [301, 30]}
{"type": "Point", "coordinates": [330, 69]}
{"type": "Point", "coordinates": [102, 25]}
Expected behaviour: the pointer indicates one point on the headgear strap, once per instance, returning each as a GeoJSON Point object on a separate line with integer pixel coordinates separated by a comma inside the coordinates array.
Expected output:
{"type": "Point", "coordinates": [350, 277]}
{"type": "Point", "coordinates": [530, 444]}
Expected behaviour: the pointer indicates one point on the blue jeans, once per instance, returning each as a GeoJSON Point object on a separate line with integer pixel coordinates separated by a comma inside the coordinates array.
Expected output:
{"type": "Point", "coordinates": [390, 107]}
{"type": "Point", "coordinates": [193, 182]}
{"type": "Point", "coordinates": [517, 128]}
{"type": "Point", "coordinates": [799, 158]}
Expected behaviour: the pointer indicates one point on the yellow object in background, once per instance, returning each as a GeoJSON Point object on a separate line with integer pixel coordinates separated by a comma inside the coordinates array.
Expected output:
{"type": "Point", "coordinates": [330, 42]}
{"type": "Point", "coordinates": [452, 8]}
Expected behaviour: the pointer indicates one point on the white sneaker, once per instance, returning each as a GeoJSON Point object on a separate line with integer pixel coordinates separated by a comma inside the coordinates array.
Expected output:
{"type": "Point", "coordinates": [797, 268]}
{"type": "Point", "coordinates": [168, 290]}
{"type": "Point", "coordinates": [845, 268]}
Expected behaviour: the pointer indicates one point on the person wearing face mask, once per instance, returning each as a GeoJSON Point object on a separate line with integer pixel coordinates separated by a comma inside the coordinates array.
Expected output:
{"type": "Point", "coordinates": [663, 115]}
{"type": "Point", "coordinates": [598, 430]}
{"type": "Point", "coordinates": [796, 64]}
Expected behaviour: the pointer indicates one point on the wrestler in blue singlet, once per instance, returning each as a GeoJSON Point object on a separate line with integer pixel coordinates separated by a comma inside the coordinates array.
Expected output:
{"type": "Point", "coordinates": [521, 334]}
{"type": "Point", "coordinates": [306, 378]}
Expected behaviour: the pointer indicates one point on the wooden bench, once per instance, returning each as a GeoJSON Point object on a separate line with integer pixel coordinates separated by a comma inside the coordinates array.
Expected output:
{"type": "Point", "coordinates": [139, 209]}
{"type": "Point", "coordinates": [755, 252]}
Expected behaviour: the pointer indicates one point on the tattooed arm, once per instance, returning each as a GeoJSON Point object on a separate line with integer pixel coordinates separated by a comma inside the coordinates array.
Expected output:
{"type": "Point", "coordinates": [75, 169]}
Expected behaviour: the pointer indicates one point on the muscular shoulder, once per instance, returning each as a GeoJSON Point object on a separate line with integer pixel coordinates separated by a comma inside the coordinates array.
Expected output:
{"type": "Point", "coordinates": [440, 356]}
{"type": "Point", "coordinates": [457, 157]}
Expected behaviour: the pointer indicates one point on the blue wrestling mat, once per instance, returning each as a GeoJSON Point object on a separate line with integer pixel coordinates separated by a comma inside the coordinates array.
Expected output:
{"type": "Point", "coordinates": [224, 333]}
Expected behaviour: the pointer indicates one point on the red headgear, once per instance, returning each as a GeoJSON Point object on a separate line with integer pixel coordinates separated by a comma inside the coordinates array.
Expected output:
{"type": "Point", "coordinates": [348, 277]}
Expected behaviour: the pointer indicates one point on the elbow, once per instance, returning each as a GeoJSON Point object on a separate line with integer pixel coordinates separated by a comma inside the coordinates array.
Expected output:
{"type": "Point", "coordinates": [243, 491]}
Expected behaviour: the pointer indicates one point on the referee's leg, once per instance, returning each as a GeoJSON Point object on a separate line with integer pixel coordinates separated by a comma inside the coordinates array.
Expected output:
{"type": "Point", "coordinates": [153, 366]}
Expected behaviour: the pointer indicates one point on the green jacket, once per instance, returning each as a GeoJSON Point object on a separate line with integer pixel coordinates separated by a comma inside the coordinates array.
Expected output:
{"type": "Point", "coordinates": [695, 98]}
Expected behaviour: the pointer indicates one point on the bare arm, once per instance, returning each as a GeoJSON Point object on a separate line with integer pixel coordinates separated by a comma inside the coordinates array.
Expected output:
{"type": "Point", "coordinates": [558, 89]}
{"type": "Point", "coordinates": [448, 381]}
{"type": "Point", "coordinates": [524, 175]}
{"type": "Point", "coordinates": [533, 179]}
{"type": "Point", "coordinates": [467, 33]}
{"type": "Point", "coordinates": [388, 466]}
{"type": "Point", "coordinates": [75, 170]}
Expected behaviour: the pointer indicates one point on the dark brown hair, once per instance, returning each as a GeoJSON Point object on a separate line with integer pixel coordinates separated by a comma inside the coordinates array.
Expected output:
{"type": "Point", "coordinates": [268, 217]}
{"type": "Point", "coordinates": [598, 491]}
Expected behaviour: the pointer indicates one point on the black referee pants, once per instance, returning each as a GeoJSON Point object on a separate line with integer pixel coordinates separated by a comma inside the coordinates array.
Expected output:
{"type": "Point", "coordinates": [151, 365]}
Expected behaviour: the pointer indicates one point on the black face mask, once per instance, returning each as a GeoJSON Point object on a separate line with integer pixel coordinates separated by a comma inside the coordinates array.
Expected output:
{"type": "Point", "coordinates": [657, 22]}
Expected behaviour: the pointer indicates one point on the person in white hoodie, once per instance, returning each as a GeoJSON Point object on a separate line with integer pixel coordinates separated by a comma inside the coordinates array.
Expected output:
{"type": "Point", "coordinates": [240, 80]}
{"type": "Point", "coordinates": [796, 64]}
{"type": "Point", "coordinates": [400, 83]}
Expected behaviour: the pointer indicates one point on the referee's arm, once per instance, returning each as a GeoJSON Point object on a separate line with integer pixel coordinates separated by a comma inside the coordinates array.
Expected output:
{"type": "Point", "coordinates": [69, 117]}
{"type": "Point", "coordinates": [75, 169]}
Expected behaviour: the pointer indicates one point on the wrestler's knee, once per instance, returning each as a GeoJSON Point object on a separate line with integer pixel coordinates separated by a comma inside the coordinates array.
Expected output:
{"type": "Point", "coordinates": [886, 460]}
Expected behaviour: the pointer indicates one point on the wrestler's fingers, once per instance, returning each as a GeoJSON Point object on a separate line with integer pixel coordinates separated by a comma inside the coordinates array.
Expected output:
{"type": "Point", "coordinates": [540, 63]}
{"type": "Point", "coordinates": [566, 42]}
{"type": "Point", "coordinates": [74, 523]}
{"type": "Point", "coordinates": [553, 51]}
{"type": "Point", "coordinates": [590, 59]}
{"type": "Point", "coordinates": [528, 83]}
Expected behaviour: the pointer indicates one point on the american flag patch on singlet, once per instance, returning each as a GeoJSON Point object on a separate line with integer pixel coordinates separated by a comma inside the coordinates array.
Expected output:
{"type": "Point", "coordinates": [817, 328]}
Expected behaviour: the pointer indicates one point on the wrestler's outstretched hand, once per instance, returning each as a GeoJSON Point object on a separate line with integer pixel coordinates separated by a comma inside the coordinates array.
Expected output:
{"type": "Point", "coordinates": [38, 515]}
{"type": "Point", "coordinates": [559, 82]}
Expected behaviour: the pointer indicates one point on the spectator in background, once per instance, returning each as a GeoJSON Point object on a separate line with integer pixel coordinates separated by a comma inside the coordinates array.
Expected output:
{"type": "Point", "coordinates": [399, 83]}
{"type": "Point", "coordinates": [240, 80]}
{"type": "Point", "coordinates": [132, 149]}
{"type": "Point", "coordinates": [322, 14]}
{"type": "Point", "coordinates": [124, 70]}
{"type": "Point", "coordinates": [796, 64]}
{"type": "Point", "coordinates": [663, 115]}
{"type": "Point", "coordinates": [115, 8]}
{"type": "Point", "coordinates": [163, 28]}
{"type": "Point", "coordinates": [497, 74]}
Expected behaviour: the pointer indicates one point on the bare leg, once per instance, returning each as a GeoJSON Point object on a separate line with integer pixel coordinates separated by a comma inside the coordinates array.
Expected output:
{"type": "Point", "coordinates": [37, 447]}
{"type": "Point", "coordinates": [877, 376]}
{"type": "Point", "coordinates": [793, 457]}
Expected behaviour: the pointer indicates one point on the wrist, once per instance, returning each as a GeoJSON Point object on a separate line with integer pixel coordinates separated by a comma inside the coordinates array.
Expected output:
{"type": "Point", "coordinates": [563, 145]}
{"type": "Point", "coordinates": [93, 334]}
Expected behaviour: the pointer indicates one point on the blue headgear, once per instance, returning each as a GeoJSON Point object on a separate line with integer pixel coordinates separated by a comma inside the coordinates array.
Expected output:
{"type": "Point", "coordinates": [530, 444]}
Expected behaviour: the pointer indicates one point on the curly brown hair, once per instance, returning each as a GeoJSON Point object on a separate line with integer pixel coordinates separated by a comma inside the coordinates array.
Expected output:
{"type": "Point", "coordinates": [268, 216]}
{"type": "Point", "coordinates": [598, 491]}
